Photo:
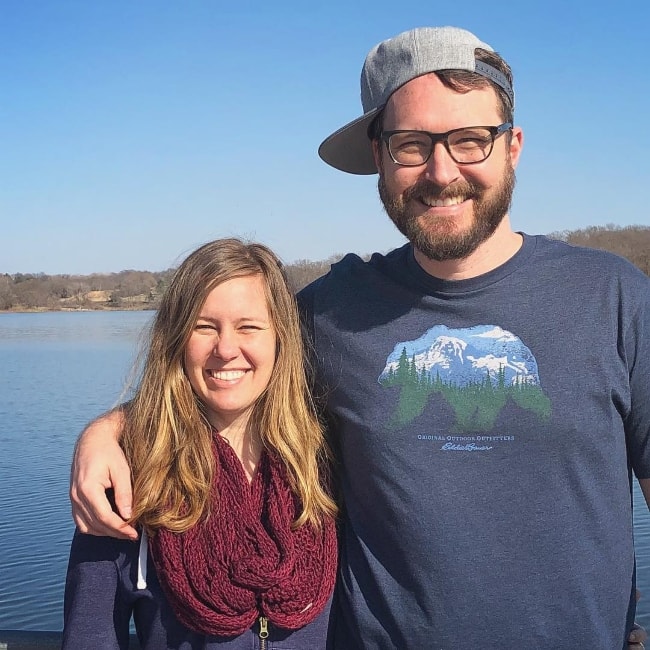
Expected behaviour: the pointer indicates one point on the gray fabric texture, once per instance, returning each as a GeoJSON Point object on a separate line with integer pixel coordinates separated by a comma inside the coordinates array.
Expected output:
{"type": "Point", "coordinates": [389, 66]}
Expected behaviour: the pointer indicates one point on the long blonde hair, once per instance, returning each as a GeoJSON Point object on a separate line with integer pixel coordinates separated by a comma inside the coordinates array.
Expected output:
{"type": "Point", "coordinates": [167, 438]}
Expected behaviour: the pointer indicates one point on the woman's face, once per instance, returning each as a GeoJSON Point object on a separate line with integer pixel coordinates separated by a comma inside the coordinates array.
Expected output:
{"type": "Point", "coordinates": [230, 355]}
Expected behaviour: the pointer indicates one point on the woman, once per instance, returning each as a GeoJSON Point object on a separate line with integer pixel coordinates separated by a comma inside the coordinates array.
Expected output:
{"type": "Point", "coordinates": [227, 456]}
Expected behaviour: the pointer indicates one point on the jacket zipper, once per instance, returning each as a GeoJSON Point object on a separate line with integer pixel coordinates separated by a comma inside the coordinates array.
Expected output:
{"type": "Point", "coordinates": [264, 632]}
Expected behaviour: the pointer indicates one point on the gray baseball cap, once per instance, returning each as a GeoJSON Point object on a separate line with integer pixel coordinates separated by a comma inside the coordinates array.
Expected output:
{"type": "Point", "coordinates": [389, 66]}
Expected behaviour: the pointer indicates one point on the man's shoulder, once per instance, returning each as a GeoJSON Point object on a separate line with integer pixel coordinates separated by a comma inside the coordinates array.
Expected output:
{"type": "Point", "coordinates": [352, 266]}
{"type": "Point", "coordinates": [585, 259]}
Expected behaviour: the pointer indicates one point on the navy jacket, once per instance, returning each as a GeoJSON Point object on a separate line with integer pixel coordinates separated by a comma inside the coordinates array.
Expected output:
{"type": "Point", "coordinates": [101, 596]}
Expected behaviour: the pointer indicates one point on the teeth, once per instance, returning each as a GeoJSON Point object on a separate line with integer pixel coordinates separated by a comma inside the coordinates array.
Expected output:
{"type": "Point", "coordinates": [443, 203]}
{"type": "Point", "coordinates": [226, 375]}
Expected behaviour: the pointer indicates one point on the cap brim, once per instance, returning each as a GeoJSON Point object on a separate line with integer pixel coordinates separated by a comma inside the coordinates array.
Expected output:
{"type": "Point", "coordinates": [350, 149]}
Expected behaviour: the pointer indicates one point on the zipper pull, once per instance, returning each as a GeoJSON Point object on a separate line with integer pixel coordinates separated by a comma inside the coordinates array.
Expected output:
{"type": "Point", "coordinates": [264, 627]}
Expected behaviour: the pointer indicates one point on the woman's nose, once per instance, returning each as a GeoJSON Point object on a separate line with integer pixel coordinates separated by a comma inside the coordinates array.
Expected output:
{"type": "Point", "coordinates": [225, 347]}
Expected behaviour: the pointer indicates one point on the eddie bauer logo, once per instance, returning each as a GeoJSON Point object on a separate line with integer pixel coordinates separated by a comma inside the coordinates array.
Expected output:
{"type": "Point", "coordinates": [466, 443]}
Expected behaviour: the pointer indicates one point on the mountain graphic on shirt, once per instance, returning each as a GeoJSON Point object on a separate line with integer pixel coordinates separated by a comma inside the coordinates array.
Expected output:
{"type": "Point", "coordinates": [477, 370]}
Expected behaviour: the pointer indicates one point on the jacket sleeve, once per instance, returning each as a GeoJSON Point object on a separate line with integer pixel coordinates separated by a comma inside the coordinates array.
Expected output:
{"type": "Point", "coordinates": [96, 614]}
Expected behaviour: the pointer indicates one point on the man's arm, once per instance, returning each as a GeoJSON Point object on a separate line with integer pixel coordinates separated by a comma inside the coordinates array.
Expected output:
{"type": "Point", "coordinates": [638, 635]}
{"type": "Point", "coordinates": [98, 464]}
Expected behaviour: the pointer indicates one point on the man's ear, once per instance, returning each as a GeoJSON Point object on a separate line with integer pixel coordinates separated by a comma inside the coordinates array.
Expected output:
{"type": "Point", "coordinates": [516, 145]}
{"type": "Point", "coordinates": [376, 153]}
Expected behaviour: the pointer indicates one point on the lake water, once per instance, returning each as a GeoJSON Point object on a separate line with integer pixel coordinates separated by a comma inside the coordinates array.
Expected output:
{"type": "Point", "coordinates": [58, 371]}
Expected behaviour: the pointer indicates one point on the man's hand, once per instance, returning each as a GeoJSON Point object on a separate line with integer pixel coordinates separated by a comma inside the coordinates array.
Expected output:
{"type": "Point", "coordinates": [99, 464]}
{"type": "Point", "coordinates": [636, 639]}
{"type": "Point", "coordinates": [638, 635]}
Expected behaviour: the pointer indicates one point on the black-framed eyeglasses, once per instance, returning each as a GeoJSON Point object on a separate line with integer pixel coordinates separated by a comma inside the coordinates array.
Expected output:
{"type": "Point", "coordinates": [466, 146]}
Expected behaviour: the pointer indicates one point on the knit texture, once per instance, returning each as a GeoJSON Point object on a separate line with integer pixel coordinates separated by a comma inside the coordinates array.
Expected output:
{"type": "Point", "coordinates": [245, 560]}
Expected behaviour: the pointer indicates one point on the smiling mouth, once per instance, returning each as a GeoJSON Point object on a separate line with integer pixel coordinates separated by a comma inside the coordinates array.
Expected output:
{"type": "Point", "coordinates": [226, 375]}
{"type": "Point", "coordinates": [442, 203]}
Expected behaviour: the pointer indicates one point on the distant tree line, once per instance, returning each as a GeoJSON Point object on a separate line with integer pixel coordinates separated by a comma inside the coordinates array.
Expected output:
{"type": "Point", "coordinates": [631, 242]}
{"type": "Point", "coordinates": [123, 290]}
{"type": "Point", "coordinates": [142, 289]}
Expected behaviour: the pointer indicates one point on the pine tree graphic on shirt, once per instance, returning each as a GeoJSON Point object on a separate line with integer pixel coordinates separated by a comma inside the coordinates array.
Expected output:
{"type": "Point", "coordinates": [476, 370]}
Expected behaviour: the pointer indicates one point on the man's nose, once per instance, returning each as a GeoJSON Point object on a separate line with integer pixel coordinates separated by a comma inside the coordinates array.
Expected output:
{"type": "Point", "coordinates": [441, 167]}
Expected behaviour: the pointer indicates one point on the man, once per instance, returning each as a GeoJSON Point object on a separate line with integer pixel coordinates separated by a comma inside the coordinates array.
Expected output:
{"type": "Point", "coordinates": [487, 389]}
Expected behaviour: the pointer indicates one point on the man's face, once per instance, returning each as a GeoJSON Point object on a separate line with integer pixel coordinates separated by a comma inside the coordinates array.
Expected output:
{"type": "Point", "coordinates": [445, 209]}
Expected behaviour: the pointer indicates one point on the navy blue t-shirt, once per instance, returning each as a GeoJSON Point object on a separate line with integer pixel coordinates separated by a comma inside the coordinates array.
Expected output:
{"type": "Point", "coordinates": [487, 430]}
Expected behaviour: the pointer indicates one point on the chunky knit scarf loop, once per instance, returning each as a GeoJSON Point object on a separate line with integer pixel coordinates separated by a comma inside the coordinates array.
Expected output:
{"type": "Point", "coordinates": [245, 560]}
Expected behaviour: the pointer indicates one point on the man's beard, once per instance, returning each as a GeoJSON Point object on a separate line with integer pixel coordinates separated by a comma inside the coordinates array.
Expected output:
{"type": "Point", "coordinates": [436, 237]}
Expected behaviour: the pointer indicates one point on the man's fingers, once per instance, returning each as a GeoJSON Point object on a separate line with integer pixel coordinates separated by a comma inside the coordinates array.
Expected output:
{"type": "Point", "coordinates": [114, 526]}
{"type": "Point", "coordinates": [99, 466]}
{"type": "Point", "coordinates": [121, 482]}
{"type": "Point", "coordinates": [104, 524]}
{"type": "Point", "coordinates": [636, 638]}
{"type": "Point", "coordinates": [94, 514]}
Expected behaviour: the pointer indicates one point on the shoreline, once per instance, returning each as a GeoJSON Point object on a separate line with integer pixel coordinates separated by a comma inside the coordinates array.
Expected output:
{"type": "Point", "coordinates": [42, 310]}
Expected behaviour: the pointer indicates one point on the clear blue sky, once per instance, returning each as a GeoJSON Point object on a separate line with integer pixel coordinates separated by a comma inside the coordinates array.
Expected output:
{"type": "Point", "coordinates": [133, 131]}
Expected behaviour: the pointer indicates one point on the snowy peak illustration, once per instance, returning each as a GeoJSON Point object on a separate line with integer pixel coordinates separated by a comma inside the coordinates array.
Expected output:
{"type": "Point", "coordinates": [475, 372]}
{"type": "Point", "coordinates": [463, 357]}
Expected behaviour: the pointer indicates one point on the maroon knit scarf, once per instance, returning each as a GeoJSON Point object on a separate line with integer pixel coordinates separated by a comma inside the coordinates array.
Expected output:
{"type": "Point", "coordinates": [245, 560]}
